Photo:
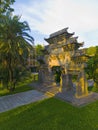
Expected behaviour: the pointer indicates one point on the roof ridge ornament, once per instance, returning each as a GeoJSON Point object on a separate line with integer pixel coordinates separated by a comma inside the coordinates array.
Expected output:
{"type": "Point", "coordinates": [59, 32]}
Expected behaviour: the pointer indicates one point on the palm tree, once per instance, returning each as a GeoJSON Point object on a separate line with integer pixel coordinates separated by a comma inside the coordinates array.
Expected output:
{"type": "Point", "coordinates": [5, 6]}
{"type": "Point", "coordinates": [15, 44]}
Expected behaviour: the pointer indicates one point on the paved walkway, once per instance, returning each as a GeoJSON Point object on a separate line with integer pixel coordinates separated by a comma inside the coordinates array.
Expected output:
{"type": "Point", "coordinates": [19, 99]}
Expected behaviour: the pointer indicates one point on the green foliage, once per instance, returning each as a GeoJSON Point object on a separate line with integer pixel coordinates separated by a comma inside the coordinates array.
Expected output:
{"type": "Point", "coordinates": [15, 45]}
{"type": "Point", "coordinates": [74, 78]}
{"type": "Point", "coordinates": [91, 51]}
{"type": "Point", "coordinates": [22, 85]}
{"type": "Point", "coordinates": [51, 114]}
{"type": "Point", "coordinates": [92, 67]}
{"type": "Point", "coordinates": [14, 49]}
{"type": "Point", "coordinates": [39, 53]}
{"type": "Point", "coordinates": [96, 66]}
{"type": "Point", "coordinates": [56, 69]}
{"type": "Point", "coordinates": [38, 49]}
{"type": "Point", "coordinates": [57, 77]}
{"type": "Point", "coordinates": [57, 72]}
{"type": "Point", "coordinates": [5, 6]}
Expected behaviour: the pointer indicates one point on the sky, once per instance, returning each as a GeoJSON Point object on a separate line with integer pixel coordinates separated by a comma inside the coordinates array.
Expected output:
{"type": "Point", "coordinates": [48, 16]}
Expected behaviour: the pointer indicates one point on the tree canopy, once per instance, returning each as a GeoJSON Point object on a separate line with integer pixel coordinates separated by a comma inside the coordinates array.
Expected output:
{"type": "Point", "coordinates": [91, 51]}
{"type": "Point", "coordinates": [92, 65]}
{"type": "Point", "coordinates": [39, 49]}
{"type": "Point", "coordinates": [15, 45]}
{"type": "Point", "coordinates": [5, 6]}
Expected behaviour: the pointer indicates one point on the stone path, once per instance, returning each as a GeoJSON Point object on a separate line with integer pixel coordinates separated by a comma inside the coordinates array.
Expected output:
{"type": "Point", "coordinates": [19, 99]}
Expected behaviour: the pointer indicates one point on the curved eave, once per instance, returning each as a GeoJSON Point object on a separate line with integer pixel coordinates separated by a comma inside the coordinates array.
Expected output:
{"type": "Point", "coordinates": [59, 32]}
{"type": "Point", "coordinates": [48, 40]}
{"type": "Point", "coordinates": [81, 56]}
{"type": "Point", "coordinates": [66, 35]}
{"type": "Point", "coordinates": [81, 44]}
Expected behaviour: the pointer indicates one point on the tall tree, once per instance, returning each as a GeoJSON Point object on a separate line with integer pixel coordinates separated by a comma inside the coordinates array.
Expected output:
{"type": "Point", "coordinates": [95, 76]}
{"type": "Point", "coordinates": [15, 44]}
{"type": "Point", "coordinates": [5, 6]}
{"type": "Point", "coordinates": [38, 49]}
{"type": "Point", "coordinates": [92, 67]}
{"type": "Point", "coordinates": [39, 53]}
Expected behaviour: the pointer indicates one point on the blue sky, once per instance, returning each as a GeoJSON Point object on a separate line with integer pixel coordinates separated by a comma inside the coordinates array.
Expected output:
{"type": "Point", "coordinates": [48, 16]}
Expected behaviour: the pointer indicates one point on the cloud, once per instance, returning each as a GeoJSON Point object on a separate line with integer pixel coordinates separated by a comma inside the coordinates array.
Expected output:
{"type": "Point", "coordinates": [48, 16]}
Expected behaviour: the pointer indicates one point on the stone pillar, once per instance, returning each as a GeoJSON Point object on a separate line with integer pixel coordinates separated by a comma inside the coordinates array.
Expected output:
{"type": "Point", "coordinates": [49, 69]}
{"type": "Point", "coordinates": [66, 83]}
{"type": "Point", "coordinates": [82, 85]}
{"type": "Point", "coordinates": [41, 76]}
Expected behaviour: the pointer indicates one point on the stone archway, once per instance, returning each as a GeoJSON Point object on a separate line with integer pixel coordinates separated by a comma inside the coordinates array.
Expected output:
{"type": "Point", "coordinates": [63, 50]}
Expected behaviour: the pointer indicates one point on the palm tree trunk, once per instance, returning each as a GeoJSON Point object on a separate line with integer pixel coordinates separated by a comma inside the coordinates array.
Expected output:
{"type": "Point", "coordinates": [11, 85]}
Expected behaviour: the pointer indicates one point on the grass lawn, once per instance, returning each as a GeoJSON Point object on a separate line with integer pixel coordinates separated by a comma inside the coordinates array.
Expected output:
{"type": "Point", "coordinates": [20, 87]}
{"type": "Point", "coordinates": [51, 114]}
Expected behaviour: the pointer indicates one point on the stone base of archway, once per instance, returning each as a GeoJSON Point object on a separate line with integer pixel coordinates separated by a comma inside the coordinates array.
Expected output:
{"type": "Point", "coordinates": [52, 90]}
{"type": "Point", "coordinates": [70, 97]}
